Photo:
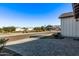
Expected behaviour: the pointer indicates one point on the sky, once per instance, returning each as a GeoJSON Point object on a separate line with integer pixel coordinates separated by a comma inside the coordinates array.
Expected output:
{"type": "Point", "coordinates": [32, 14]}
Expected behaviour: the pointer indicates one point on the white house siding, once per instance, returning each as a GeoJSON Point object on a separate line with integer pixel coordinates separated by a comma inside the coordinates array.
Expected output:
{"type": "Point", "coordinates": [77, 28]}
{"type": "Point", "coordinates": [19, 29]}
{"type": "Point", "coordinates": [68, 27]}
{"type": "Point", "coordinates": [73, 27]}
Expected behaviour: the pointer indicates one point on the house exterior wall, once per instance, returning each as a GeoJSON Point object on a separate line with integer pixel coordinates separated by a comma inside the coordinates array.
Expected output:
{"type": "Point", "coordinates": [77, 29]}
{"type": "Point", "coordinates": [69, 27]}
{"type": "Point", "coordinates": [30, 29]}
{"type": "Point", "coordinates": [19, 29]}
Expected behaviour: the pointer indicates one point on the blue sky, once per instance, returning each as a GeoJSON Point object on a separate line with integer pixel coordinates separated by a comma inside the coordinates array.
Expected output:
{"type": "Point", "coordinates": [32, 14]}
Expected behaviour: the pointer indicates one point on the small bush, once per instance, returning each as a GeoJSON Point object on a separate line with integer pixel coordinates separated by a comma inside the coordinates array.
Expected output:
{"type": "Point", "coordinates": [77, 39]}
{"type": "Point", "coordinates": [53, 36]}
{"type": "Point", "coordinates": [58, 36]}
{"type": "Point", "coordinates": [2, 43]}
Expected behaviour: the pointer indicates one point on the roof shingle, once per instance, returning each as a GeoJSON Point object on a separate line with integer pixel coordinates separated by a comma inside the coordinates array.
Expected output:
{"type": "Point", "coordinates": [65, 15]}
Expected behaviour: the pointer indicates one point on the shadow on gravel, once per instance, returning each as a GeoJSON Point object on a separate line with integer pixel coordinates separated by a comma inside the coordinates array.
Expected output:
{"type": "Point", "coordinates": [46, 47]}
{"type": "Point", "coordinates": [8, 52]}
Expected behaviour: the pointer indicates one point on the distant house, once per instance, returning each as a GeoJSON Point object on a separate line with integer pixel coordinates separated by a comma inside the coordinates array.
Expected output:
{"type": "Point", "coordinates": [69, 25]}
{"type": "Point", "coordinates": [30, 29]}
{"type": "Point", "coordinates": [19, 29]}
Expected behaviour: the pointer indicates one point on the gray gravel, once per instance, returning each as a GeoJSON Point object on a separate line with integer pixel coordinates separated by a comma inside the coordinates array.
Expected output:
{"type": "Point", "coordinates": [47, 47]}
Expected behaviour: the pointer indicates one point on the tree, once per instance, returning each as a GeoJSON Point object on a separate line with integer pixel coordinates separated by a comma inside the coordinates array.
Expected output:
{"type": "Point", "coordinates": [8, 29]}
{"type": "Point", "coordinates": [43, 28]}
{"type": "Point", "coordinates": [57, 27]}
{"type": "Point", "coordinates": [40, 29]}
{"type": "Point", "coordinates": [49, 27]}
{"type": "Point", "coordinates": [25, 30]}
{"type": "Point", "coordinates": [37, 29]}
{"type": "Point", "coordinates": [0, 30]}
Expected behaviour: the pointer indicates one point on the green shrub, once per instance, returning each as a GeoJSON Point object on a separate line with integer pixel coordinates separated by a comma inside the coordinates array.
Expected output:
{"type": "Point", "coordinates": [58, 36]}
{"type": "Point", "coordinates": [2, 43]}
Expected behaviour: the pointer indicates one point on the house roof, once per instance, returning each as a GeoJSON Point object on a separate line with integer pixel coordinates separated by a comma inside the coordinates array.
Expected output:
{"type": "Point", "coordinates": [65, 15]}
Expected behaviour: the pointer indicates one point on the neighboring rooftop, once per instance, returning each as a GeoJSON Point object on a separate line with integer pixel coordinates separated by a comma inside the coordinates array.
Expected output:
{"type": "Point", "coordinates": [65, 15]}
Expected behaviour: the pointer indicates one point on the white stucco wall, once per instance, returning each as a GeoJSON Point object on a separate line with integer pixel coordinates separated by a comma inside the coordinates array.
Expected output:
{"type": "Point", "coordinates": [69, 27]}
{"type": "Point", "coordinates": [19, 29]}
{"type": "Point", "coordinates": [30, 29]}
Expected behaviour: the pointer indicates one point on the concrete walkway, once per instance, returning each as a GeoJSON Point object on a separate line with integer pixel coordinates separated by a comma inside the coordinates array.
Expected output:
{"type": "Point", "coordinates": [20, 41]}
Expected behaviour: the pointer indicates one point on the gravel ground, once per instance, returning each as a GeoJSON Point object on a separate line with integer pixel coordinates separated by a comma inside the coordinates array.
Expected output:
{"type": "Point", "coordinates": [47, 47]}
{"type": "Point", "coordinates": [8, 52]}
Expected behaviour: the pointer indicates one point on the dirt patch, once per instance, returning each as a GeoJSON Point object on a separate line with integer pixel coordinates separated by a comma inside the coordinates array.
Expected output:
{"type": "Point", "coordinates": [17, 37]}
